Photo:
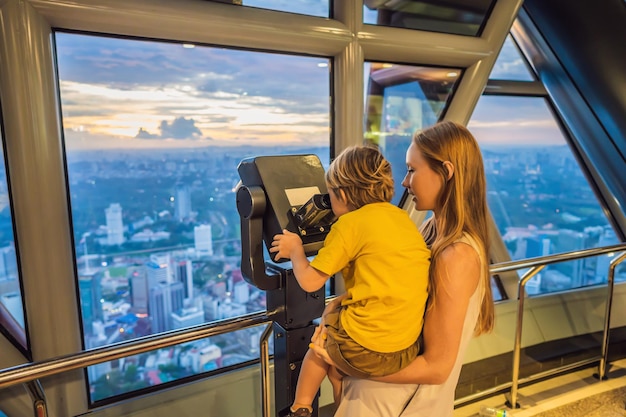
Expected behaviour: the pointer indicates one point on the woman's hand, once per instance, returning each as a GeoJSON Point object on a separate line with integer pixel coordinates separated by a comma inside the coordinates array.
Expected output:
{"type": "Point", "coordinates": [318, 340]}
{"type": "Point", "coordinates": [317, 344]}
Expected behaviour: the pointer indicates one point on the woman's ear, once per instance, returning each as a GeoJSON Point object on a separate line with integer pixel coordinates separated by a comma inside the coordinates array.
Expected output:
{"type": "Point", "coordinates": [449, 169]}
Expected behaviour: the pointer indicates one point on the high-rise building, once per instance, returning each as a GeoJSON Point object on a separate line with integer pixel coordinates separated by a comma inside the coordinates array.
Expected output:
{"type": "Point", "coordinates": [184, 274]}
{"type": "Point", "coordinates": [115, 225]}
{"type": "Point", "coordinates": [139, 292]}
{"type": "Point", "coordinates": [90, 287]}
{"type": "Point", "coordinates": [159, 269]}
{"type": "Point", "coordinates": [203, 240]}
{"type": "Point", "coordinates": [182, 202]}
{"type": "Point", "coordinates": [163, 300]}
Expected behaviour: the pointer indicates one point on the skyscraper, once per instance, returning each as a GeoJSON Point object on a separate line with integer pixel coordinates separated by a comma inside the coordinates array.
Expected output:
{"type": "Point", "coordinates": [139, 292]}
{"type": "Point", "coordinates": [159, 269]}
{"type": "Point", "coordinates": [164, 299]}
{"type": "Point", "coordinates": [182, 202]}
{"type": "Point", "coordinates": [184, 274]}
{"type": "Point", "coordinates": [90, 286]}
{"type": "Point", "coordinates": [203, 240]}
{"type": "Point", "coordinates": [115, 226]}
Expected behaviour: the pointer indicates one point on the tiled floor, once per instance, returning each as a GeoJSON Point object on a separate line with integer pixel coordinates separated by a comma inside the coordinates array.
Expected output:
{"type": "Point", "coordinates": [577, 394]}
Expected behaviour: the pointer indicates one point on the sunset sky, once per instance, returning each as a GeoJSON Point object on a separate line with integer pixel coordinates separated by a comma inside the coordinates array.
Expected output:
{"type": "Point", "coordinates": [122, 93]}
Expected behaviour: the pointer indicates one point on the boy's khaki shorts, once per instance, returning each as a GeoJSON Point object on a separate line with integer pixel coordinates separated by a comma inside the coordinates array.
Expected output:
{"type": "Point", "coordinates": [355, 360]}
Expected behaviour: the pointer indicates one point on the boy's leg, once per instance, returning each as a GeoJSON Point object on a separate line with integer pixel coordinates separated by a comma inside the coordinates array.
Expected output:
{"type": "Point", "coordinates": [311, 376]}
{"type": "Point", "coordinates": [335, 378]}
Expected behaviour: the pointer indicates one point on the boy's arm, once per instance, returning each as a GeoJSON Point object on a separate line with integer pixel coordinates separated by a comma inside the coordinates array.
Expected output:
{"type": "Point", "coordinates": [289, 245]}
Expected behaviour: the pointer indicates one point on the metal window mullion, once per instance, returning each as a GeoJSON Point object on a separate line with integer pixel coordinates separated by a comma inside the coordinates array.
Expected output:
{"type": "Point", "coordinates": [201, 22]}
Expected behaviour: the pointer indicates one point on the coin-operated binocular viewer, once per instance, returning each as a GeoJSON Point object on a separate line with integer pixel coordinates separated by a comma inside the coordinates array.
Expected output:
{"type": "Point", "coordinates": [276, 193]}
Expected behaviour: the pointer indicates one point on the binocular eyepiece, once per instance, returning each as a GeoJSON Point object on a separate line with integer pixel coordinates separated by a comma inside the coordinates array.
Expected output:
{"type": "Point", "coordinates": [314, 216]}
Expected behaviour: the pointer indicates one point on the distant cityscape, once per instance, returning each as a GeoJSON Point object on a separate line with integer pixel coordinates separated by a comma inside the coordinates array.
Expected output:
{"type": "Point", "coordinates": [157, 239]}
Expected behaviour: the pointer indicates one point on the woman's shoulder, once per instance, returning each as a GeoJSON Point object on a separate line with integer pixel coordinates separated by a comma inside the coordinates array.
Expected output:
{"type": "Point", "coordinates": [462, 263]}
{"type": "Point", "coordinates": [460, 252]}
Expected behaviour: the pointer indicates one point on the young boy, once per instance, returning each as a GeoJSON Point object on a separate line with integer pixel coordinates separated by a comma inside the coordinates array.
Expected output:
{"type": "Point", "coordinates": [384, 262]}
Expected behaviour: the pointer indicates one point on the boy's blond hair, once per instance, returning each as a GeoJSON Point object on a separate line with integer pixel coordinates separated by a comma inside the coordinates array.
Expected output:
{"type": "Point", "coordinates": [364, 175]}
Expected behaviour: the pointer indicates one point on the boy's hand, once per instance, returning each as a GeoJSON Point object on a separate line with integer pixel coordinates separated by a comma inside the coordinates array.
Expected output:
{"type": "Point", "coordinates": [284, 244]}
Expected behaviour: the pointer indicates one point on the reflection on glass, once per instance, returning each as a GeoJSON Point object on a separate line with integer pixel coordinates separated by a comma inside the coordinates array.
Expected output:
{"type": "Point", "coordinates": [12, 322]}
{"type": "Point", "coordinates": [510, 64]}
{"type": "Point", "coordinates": [400, 99]}
{"type": "Point", "coordinates": [539, 197]}
{"type": "Point", "coordinates": [455, 17]}
{"type": "Point", "coordinates": [154, 133]}
{"type": "Point", "coordinates": [318, 8]}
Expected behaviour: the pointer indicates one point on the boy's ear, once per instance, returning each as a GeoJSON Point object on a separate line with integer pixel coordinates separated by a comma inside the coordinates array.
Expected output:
{"type": "Point", "coordinates": [342, 195]}
{"type": "Point", "coordinates": [449, 169]}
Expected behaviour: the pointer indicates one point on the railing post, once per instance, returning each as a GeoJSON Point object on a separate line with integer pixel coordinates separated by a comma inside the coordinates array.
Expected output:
{"type": "Point", "coordinates": [607, 315]}
{"type": "Point", "coordinates": [35, 390]}
{"type": "Point", "coordinates": [517, 347]}
{"type": "Point", "coordinates": [265, 370]}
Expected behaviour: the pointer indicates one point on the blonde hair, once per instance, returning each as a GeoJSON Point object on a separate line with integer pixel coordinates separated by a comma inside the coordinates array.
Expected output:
{"type": "Point", "coordinates": [364, 175]}
{"type": "Point", "coordinates": [461, 206]}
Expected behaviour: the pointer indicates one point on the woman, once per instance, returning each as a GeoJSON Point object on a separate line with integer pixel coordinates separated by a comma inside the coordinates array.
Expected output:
{"type": "Point", "coordinates": [446, 176]}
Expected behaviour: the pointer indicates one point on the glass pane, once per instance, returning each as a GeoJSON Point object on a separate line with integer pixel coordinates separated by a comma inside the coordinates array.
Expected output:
{"type": "Point", "coordinates": [510, 64]}
{"type": "Point", "coordinates": [400, 99]}
{"type": "Point", "coordinates": [538, 195]}
{"type": "Point", "coordinates": [166, 365]}
{"type": "Point", "coordinates": [12, 322]}
{"type": "Point", "coordinates": [318, 8]}
{"type": "Point", "coordinates": [154, 133]}
{"type": "Point", "coordinates": [455, 17]}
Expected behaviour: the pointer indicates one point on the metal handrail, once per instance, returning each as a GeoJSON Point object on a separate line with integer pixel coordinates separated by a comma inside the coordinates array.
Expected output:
{"type": "Point", "coordinates": [536, 265]}
{"type": "Point", "coordinates": [35, 370]}
{"type": "Point", "coordinates": [555, 258]}
{"type": "Point", "coordinates": [32, 371]}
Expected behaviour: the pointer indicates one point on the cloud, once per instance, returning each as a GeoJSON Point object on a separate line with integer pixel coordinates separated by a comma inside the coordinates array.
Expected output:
{"type": "Point", "coordinates": [179, 128]}
{"type": "Point", "coordinates": [149, 92]}
{"type": "Point", "coordinates": [144, 134]}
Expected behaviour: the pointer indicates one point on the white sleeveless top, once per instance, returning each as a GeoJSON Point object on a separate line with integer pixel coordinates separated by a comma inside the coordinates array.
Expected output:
{"type": "Point", "coordinates": [367, 398]}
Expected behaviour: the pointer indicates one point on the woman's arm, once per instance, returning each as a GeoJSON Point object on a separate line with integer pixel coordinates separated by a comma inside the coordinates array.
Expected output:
{"type": "Point", "coordinates": [457, 272]}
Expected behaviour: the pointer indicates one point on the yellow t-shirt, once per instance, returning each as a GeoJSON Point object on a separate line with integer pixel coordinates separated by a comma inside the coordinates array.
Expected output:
{"type": "Point", "coordinates": [384, 261]}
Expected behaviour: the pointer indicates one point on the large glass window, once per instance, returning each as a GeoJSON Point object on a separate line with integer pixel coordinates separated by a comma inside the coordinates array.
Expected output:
{"type": "Point", "coordinates": [540, 198]}
{"type": "Point", "coordinates": [400, 99]}
{"type": "Point", "coordinates": [455, 17]}
{"type": "Point", "coordinates": [153, 135]}
{"type": "Point", "coordinates": [510, 65]}
{"type": "Point", "coordinates": [12, 317]}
